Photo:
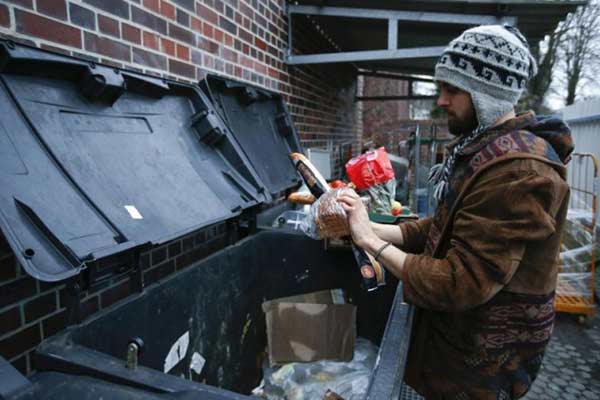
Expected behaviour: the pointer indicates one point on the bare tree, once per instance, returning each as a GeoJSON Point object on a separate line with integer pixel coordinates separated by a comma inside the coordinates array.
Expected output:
{"type": "Point", "coordinates": [580, 49]}
{"type": "Point", "coordinates": [546, 55]}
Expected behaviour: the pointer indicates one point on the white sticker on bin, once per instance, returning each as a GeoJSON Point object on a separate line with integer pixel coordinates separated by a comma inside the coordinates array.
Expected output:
{"type": "Point", "coordinates": [133, 212]}
{"type": "Point", "coordinates": [197, 363]}
{"type": "Point", "coordinates": [177, 352]}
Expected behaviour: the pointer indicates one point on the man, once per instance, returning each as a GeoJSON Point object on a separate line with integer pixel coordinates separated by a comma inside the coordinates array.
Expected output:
{"type": "Point", "coordinates": [483, 269]}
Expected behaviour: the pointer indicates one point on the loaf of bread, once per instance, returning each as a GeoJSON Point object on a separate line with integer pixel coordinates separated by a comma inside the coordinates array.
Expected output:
{"type": "Point", "coordinates": [301, 198]}
{"type": "Point", "coordinates": [329, 216]}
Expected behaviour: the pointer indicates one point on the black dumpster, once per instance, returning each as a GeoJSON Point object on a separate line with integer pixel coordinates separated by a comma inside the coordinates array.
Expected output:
{"type": "Point", "coordinates": [102, 163]}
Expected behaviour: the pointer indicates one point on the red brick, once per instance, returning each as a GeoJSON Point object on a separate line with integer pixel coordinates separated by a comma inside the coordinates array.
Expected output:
{"type": "Point", "coordinates": [208, 45]}
{"type": "Point", "coordinates": [246, 62]}
{"type": "Point", "coordinates": [54, 324]}
{"type": "Point", "coordinates": [107, 47]}
{"type": "Point", "coordinates": [260, 68]}
{"type": "Point", "coordinates": [260, 44]}
{"type": "Point", "coordinates": [183, 52]}
{"type": "Point", "coordinates": [131, 33]}
{"type": "Point", "coordinates": [152, 60]}
{"type": "Point", "coordinates": [230, 55]}
{"type": "Point", "coordinates": [167, 9]}
{"type": "Point", "coordinates": [20, 342]}
{"type": "Point", "coordinates": [149, 20]}
{"type": "Point", "coordinates": [53, 8]}
{"type": "Point", "coordinates": [108, 25]}
{"type": "Point", "coordinates": [167, 46]}
{"type": "Point", "coordinates": [196, 24]}
{"type": "Point", "coordinates": [245, 36]}
{"type": "Point", "coordinates": [181, 34]}
{"type": "Point", "coordinates": [273, 73]}
{"type": "Point", "coordinates": [159, 272]}
{"type": "Point", "coordinates": [219, 35]}
{"type": "Point", "coordinates": [182, 69]}
{"type": "Point", "coordinates": [151, 40]}
{"type": "Point", "coordinates": [153, 5]}
{"type": "Point", "coordinates": [10, 320]}
{"type": "Point", "coordinates": [40, 307]}
{"type": "Point", "coordinates": [90, 306]}
{"type": "Point", "coordinates": [207, 30]}
{"type": "Point", "coordinates": [17, 290]}
{"type": "Point", "coordinates": [48, 29]}
{"type": "Point", "coordinates": [228, 40]}
{"type": "Point", "coordinates": [82, 17]}
{"type": "Point", "coordinates": [207, 14]}
{"type": "Point", "coordinates": [114, 294]}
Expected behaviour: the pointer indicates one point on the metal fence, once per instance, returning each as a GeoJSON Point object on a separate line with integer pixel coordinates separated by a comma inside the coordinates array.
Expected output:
{"type": "Point", "coordinates": [575, 286]}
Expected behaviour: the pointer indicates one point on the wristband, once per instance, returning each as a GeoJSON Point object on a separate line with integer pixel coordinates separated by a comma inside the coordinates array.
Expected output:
{"type": "Point", "coordinates": [380, 250]}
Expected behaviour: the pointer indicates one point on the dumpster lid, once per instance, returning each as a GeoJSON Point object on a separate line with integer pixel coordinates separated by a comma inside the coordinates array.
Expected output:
{"type": "Point", "coordinates": [262, 125]}
{"type": "Point", "coordinates": [95, 161]}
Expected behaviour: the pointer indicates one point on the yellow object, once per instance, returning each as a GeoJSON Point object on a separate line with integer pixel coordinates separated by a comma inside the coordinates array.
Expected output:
{"type": "Point", "coordinates": [396, 205]}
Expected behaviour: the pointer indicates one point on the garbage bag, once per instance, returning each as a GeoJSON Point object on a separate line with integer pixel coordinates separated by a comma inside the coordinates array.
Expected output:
{"type": "Point", "coordinates": [310, 381]}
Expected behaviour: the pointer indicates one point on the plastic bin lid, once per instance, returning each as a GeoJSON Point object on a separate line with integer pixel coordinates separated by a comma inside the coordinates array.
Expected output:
{"type": "Point", "coordinates": [95, 161]}
{"type": "Point", "coordinates": [261, 123]}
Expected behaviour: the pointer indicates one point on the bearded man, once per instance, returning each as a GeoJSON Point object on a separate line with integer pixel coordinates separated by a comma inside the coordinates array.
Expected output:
{"type": "Point", "coordinates": [482, 270]}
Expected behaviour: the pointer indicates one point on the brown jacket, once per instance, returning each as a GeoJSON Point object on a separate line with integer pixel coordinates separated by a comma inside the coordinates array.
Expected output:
{"type": "Point", "coordinates": [485, 273]}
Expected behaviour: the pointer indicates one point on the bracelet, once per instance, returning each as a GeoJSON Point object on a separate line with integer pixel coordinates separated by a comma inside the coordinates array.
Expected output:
{"type": "Point", "coordinates": [380, 250]}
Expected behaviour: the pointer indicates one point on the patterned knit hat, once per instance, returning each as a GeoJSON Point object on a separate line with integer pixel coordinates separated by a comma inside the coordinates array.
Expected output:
{"type": "Point", "coordinates": [493, 64]}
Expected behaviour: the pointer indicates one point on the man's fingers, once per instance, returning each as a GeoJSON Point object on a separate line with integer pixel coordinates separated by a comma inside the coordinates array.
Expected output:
{"type": "Point", "coordinates": [346, 207]}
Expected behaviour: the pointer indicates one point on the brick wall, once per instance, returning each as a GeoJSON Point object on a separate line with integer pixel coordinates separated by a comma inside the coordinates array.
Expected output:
{"type": "Point", "coordinates": [381, 117]}
{"type": "Point", "coordinates": [176, 39]}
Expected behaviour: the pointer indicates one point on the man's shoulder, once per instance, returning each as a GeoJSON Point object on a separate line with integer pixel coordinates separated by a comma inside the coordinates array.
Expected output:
{"type": "Point", "coordinates": [513, 147]}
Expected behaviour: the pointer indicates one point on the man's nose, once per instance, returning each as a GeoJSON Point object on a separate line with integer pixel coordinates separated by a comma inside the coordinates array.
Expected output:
{"type": "Point", "coordinates": [442, 101]}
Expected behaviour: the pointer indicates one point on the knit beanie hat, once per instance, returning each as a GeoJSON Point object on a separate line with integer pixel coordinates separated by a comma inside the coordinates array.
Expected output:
{"type": "Point", "coordinates": [493, 64]}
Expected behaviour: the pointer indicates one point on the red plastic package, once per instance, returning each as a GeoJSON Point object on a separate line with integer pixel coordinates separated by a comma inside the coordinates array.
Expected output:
{"type": "Point", "coordinates": [370, 169]}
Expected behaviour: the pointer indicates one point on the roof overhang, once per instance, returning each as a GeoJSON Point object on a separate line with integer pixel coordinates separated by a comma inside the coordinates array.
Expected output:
{"type": "Point", "coordinates": [408, 36]}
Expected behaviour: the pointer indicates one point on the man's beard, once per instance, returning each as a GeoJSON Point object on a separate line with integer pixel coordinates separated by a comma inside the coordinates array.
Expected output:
{"type": "Point", "coordinates": [458, 127]}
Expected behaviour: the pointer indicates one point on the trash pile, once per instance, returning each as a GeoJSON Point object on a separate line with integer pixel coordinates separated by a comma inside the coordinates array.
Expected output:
{"type": "Point", "coordinates": [310, 381]}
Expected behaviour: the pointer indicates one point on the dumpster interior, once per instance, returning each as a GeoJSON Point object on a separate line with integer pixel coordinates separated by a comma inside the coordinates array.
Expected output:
{"type": "Point", "coordinates": [217, 304]}
{"type": "Point", "coordinates": [102, 163]}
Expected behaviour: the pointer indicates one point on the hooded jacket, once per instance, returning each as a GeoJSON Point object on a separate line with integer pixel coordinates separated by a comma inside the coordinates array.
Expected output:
{"type": "Point", "coordinates": [483, 269]}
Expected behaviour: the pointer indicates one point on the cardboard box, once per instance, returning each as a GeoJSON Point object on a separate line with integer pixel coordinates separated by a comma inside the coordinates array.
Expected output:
{"type": "Point", "coordinates": [310, 327]}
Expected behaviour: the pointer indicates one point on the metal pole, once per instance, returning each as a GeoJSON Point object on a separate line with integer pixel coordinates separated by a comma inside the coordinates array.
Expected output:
{"type": "Point", "coordinates": [392, 34]}
{"type": "Point", "coordinates": [417, 162]}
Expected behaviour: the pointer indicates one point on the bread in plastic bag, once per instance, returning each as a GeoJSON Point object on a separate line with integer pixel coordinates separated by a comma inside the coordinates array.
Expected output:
{"type": "Point", "coordinates": [327, 217]}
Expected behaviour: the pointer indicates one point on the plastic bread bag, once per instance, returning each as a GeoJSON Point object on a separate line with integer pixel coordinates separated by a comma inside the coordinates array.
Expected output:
{"type": "Point", "coordinates": [327, 217]}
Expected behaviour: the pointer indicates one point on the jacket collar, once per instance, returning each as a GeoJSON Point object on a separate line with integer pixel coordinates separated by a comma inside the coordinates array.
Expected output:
{"type": "Point", "coordinates": [514, 124]}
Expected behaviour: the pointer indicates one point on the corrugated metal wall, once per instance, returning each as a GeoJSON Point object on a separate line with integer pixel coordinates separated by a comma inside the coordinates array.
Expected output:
{"type": "Point", "coordinates": [584, 120]}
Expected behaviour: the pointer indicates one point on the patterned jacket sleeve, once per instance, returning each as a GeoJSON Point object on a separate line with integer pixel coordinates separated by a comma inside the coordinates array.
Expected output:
{"type": "Point", "coordinates": [499, 216]}
{"type": "Point", "coordinates": [414, 235]}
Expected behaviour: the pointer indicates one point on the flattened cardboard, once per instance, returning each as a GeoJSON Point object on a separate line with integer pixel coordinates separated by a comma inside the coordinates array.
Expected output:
{"type": "Point", "coordinates": [310, 327]}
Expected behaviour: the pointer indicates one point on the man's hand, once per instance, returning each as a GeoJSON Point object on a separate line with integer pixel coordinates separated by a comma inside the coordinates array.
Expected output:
{"type": "Point", "coordinates": [365, 237]}
{"type": "Point", "coordinates": [358, 219]}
